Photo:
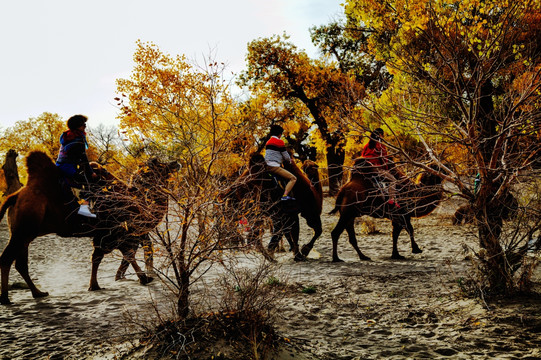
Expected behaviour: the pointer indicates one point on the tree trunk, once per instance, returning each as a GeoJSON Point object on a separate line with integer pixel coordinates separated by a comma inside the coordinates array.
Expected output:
{"type": "Point", "coordinates": [489, 218]}
{"type": "Point", "coordinates": [335, 163]}
{"type": "Point", "coordinates": [335, 142]}
{"type": "Point", "coordinates": [497, 269]}
{"type": "Point", "coordinates": [183, 303]}
{"type": "Point", "coordinates": [11, 173]}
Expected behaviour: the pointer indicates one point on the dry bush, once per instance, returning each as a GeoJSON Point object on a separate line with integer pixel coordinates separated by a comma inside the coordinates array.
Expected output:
{"type": "Point", "coordinates": [238, 322]}
{"type": "Point", "coordinates": [521, 249]}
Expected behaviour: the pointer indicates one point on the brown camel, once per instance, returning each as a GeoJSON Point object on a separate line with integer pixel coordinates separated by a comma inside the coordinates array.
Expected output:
{"type": "Point", "coordinates": [308, 193]}
{"type": "Point", "coordinates": [43, 207]}
{"type": "Point", "coordinates": [361, 197]}
{"type": "Point", "coordinates": [10, 172]}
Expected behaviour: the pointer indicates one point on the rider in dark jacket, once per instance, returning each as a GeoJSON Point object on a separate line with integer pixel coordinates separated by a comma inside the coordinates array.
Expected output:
{"type": "Point", "coordinates": [72, 160]}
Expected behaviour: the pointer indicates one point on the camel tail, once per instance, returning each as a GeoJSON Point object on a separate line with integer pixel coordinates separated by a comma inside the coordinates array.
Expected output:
{"type": "Point", "coordinates": [339, 199]}
{"type": "Point", "coordinates": [10, 201]}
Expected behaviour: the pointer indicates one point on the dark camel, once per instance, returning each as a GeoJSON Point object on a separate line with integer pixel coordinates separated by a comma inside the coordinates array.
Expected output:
{"type": "Point", "coordinates": [41, 208]}
{"type": "Point", "coordinates": [309, 195]}
{"type": "Point", "coordinates": [257, 192]}
{"type": "Point", "coordinates": [506, 206]}
{"type": "Point", "coordinates": [134, 210]}
{"type": "Point", "coordinates": [360, 197]}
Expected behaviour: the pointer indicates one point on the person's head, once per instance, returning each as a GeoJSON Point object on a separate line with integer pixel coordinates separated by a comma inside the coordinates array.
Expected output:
{"type": "Point", "coordinates": [377, 134]}
{"type": "Point", "coordinates": [375, 137]}
{"type": "Point", "coordinates": [76, 121]}
{"type": "Point", "coordinates": [276, 130]}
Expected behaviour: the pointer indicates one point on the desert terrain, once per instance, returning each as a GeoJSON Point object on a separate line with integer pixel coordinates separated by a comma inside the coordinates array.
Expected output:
{"type": "Point", "coordinates": [378, 309]}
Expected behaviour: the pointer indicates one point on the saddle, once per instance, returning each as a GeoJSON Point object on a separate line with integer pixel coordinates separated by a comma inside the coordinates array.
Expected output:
{"type": "Point", "coordinates": [72, 192]}
{"type": "Point", "coordinates": [366, 169]}
{"type": "Point", "coordinates": [288, 207]}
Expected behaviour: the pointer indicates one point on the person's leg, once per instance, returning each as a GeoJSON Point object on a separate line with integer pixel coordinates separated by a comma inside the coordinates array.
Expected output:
{"type": "Point", "coordinates": [71, 177]}
{"type": "Point", "coordinates": [392, 186]}
{"type": "Point", "coordinates": [292, 179]}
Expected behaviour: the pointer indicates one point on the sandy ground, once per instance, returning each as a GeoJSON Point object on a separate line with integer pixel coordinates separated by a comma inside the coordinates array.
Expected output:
{"type": "Point", "coordinates": [409, 309]}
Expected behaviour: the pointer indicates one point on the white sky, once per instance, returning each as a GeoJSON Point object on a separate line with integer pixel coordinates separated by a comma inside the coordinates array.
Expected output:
{"type": "Point", "coordinates": [63, 56]}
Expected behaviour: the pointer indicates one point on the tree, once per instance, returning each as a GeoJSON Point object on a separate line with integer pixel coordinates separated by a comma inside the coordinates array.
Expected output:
{"type": "Point", "coordinates": [108, 148]}
{"type": "Point", "coordinates": [349, 46]}
{"type": "Point", "coordinates": [277, 66]}
{"type": "Point", "coordinates": [173, 108]}
{"type": "Point", "coordinates": [466, 81]}
{"type": "Point", "coordinates": [42, 132]}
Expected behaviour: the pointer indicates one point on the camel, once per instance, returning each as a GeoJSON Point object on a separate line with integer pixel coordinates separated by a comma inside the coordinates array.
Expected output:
{"type": "Point", "coordinates": [506, 205]}
{"type": "Point", "coordinates": [42, 207]}
{"type": "Point", "coordinates": [134, 209]}
{"type": "Point", "coordinates": [309, 195]}
{"type": "Point", "coordinates": [360, 197]}
{"type": "Point", "coordinates": [10, 172]}
{"type": "Point", "coordinates": [261, 190]}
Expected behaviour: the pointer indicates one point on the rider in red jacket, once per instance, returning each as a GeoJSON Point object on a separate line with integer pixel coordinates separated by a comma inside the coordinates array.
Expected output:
{"type": "Point", "coordinates": [375, 152]}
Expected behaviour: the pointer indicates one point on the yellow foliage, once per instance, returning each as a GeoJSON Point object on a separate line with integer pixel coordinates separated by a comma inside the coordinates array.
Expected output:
{"type": "Point", "coordinates": [177, 107]}
{"type": "Point", "coordinates": [40, 133]}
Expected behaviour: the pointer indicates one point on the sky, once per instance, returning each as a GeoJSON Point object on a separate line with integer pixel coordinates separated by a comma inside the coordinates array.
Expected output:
{"type": "Point", "coordinates": [64, 56]}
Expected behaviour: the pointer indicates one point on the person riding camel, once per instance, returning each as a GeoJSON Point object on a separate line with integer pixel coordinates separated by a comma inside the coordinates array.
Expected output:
{"type": "Point", "coordinates": [375, 152]}
{"type": "Point", "coordinates": [72, 160]}
{"type": "Point", "coordinates": [275, 155]}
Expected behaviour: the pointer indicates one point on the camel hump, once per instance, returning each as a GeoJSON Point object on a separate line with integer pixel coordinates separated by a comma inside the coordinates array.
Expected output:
{"type": "Point", "coordinates": [39, 164]}
{"type": "Point", "coordinates": [363, 166]}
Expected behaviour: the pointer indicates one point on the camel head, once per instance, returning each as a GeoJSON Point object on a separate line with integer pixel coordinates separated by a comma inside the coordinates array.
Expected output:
{"type": "Point", "coordinates": [162, 170]}
{"type": "Point", "coordinates": [311, 169]}
{"type": "Point", "coordinates": [257, 164]}
{"type": "Point", "coordinates": [154, 172]}
{"type": "Point", "coordinates": [11, 154]}
{"type": "Point", "coordinates": [428, 178]}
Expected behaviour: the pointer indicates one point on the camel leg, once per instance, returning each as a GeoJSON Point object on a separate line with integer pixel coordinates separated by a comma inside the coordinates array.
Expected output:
{"type": "Point", "coordinates": [255, 233]}
{"type": "Point", "coordinates": [318, 230]}
{"type": "Point", "coordinates": [409, 228]}
{"type": "Point", "coordinates": [350, 228]}
{"type": "Point", "coordinates": [97, 257]}
{"type": "Point", "coordinates": [148, 249]}
{"type": "Point", "coordinates": [129, 256]}
{"type": "Point", "coordinates": [6, 260]}
{"type": "Point", "coordinates": [21, 264]}
{"type": "Point", "coordinates": [259, 247]}
{"type": "Point", "coordinates": [397, 229]}
{"type": "Point", "coordinates": [275, 239]}
{"type": "Point", "coordinates": [121, 272]}
{"type": "Point", "coordinates": [292, 236]}
{"type": "Point", "coordinates": [335, 235]}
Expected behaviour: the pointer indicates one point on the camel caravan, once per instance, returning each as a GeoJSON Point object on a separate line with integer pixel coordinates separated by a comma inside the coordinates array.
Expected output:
{"type": "Point", "coordinates": [124, 214]}
{"type": "Point", "coordinates": [41, 208]}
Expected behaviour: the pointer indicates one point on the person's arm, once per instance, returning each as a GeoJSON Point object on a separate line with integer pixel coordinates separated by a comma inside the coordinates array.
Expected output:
{"type": "Point", "coordinates": [384, 157]}
{"type": "Point", "coordinates": [77, 155]}
{"type": "Point", "coordinates": [286, 157]}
